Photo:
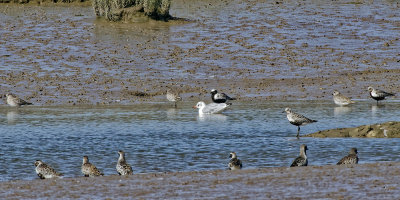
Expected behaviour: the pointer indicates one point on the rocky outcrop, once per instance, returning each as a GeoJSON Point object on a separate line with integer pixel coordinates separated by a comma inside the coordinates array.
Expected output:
{"type": "Point", "coordinates": [384, 130]}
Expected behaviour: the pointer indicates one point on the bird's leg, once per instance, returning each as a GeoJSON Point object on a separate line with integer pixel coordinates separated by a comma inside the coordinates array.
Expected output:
{"type": "Point", "coordinates": [175, 104]}
{"type": "Point", "coordinates": [377, 102]}
{"type": "Point", "coordinates": [298, 132]}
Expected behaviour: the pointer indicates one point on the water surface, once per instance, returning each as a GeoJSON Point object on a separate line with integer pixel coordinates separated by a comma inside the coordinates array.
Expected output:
{"type": "Point", "coordinates": [159, 138]}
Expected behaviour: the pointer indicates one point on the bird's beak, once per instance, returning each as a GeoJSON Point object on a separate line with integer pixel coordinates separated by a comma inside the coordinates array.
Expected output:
{"type": "Point", "coordinates": [194, 107]}
{"type": "Point", "coordinates": [283, 111]}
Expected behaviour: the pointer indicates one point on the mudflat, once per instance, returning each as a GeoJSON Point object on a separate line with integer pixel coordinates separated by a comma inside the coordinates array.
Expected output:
{"type": "Point", "coordinates": [61, 54]}
{"type": "Point", "coordinates": [364, 181]}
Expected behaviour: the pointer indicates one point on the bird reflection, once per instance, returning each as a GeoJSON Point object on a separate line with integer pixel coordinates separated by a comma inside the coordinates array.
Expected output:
{"type": "Point", "coordinates": [211, 117]}
{"type": "Point", "coordinates": [172, 112]}
{"type": "Point", "coordinates": [341, 110]}
{"type": "Point", "coordinates": [12, 117]}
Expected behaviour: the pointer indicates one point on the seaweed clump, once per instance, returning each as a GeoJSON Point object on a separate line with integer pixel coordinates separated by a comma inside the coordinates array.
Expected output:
{"type": "Point", "coordinates": [117, 10]}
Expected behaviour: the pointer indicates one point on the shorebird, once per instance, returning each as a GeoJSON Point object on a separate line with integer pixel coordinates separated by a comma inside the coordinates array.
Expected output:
{"type": "Point", "coordinates": [173, 96]}
{"type": "Point", "coordinates": [297, 119]}
{"type": "Point", "coordinates": [122, 167]}
{"type": "Point", "coordinates": [88, 169]}
{"type": "Point", "coordinates": [14, 101]}
{"type": "Point", "coordinates": [340, 99]}
{"type": "Point", "coordinates": [44, 171]}
{"type": "Point", "coordinates": [211, 108]}
{"type": "Point", "coordinates": [378, 94]}
{"type": "Point", "coordinates": [220, 97]}
{"type": "Point", "coordinates": [302, 159]}
{"type": "Point", "coordinates": [352, 158]}
{"type": "Point", "coordinates": [234, 163]}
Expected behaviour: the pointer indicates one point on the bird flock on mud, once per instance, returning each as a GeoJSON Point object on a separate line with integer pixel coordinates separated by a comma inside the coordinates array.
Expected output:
{"type": "Point", "coordinates": [220, 102]}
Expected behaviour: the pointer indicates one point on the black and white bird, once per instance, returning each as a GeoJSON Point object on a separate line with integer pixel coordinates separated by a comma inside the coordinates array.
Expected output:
{"type": "Point", "coordinates": [14, 101]}
{"type": "Point", "coordinates": [302, 159]}
{"type": "Point", "coordinates": [173, 96]}
{"type": "Point", "coordinates": [234, 163]}
{"type": "Point", "coordinates": [212, 108]}
{"type": "Point", "coordinates": [297, 119]}
{"type": "Point", "coordinates": [352, 158]}
{"type": "Point", "coordinates": [340, 99]}
{"type": "Point", "coordinates": [122, 167]}
{"type": "Point", "coordinates": [220, 97]}
{"type": "Point", "coordinates": [88, 169]}
{"type": "Point", "coordinates": [378, 95]}
{"type": "Point", "coordinates": [44, 171]}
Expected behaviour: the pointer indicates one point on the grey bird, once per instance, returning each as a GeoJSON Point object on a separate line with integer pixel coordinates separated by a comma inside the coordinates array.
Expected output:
{"type": "Point", "coordinates": [44, 171]}
{"type": "Point", "coordinates": [297, 119]}
{"type": "Point", "coordinates": [234, 163]}
{"type": "Point", "coordinates": [88, 169]}
{"type": "Point", "coordinates": [378, 95]}
{"type": "Point", "coordinates": [122, 167]}
{"type": "Point", "coordinates": [173, 96]}
{"type": "Point", "coordinates": [14, 101]}
{"type": "Point", "coordinates": [220, 97]}
{"type": "Point", "coordinates": [302, 159]}
{"type": "Point", "coordinates": [352, 158]}
{"type": "Point", "coordinates": [340, 99]}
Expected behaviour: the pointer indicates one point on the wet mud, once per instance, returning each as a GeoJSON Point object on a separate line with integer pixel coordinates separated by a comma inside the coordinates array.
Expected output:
{"type": "Point", "coordinates": [364, 181]}
{"type": "Point", "coordinates": [59, 54]}
{"type": "Point", "coordinates": [384, 130]}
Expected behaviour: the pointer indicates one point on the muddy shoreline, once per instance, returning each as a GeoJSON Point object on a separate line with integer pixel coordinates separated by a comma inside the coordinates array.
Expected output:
{"type": "Point", "coordinates": [366, 181]}
{"type": "Point", "coordinates": [79, 59]}
{"type": "Point", "coordinates": [384, 130]}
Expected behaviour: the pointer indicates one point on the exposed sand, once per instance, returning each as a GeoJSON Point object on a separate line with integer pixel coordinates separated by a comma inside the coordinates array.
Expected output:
{"type": "Point", "coordinates": [363, 181]}
{"type": "Point", "coordinates": [384, 130]}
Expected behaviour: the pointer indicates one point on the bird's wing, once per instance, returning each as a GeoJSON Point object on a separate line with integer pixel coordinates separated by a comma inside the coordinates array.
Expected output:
{"type": "Point", "coordinates": [381, 93]}
{"type": "Point", "coordinates": [214, 108]}
{"type": "Point", "coordinates": [297, 162]}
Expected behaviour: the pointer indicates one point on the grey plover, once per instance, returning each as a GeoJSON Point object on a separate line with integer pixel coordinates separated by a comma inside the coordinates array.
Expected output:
{"type": "Point", "coordinates": [220, 97]}
{"type": "Point", "coordinates": [340, 99]}
{"type": "Point", "coordinates": [88, 169]}
{"type": "Point", "coordinates": [122, 167]}
{"type": "Point", "coordinates": [352, 158]}
{"type": "Point", "coordinates": [211, 108]}
{"type": "Point", "coordinates": [378, 95]}
{"type": "Point", "coordinates": [234, 163]}
{"type": "Point", "coordinates": [14, 101]}
{"type": "Point", "coordinates": [302, 159]}
{"type": "Point", "coordinates": [297, 119]}
{"type": "Point", "coordinates": [44, 171]}
{"type": "Point", "coordinates": [173, 96]}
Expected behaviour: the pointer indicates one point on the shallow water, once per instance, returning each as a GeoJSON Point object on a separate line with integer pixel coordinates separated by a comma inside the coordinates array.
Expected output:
{"type": "Point", "coordinates": [158, 138]}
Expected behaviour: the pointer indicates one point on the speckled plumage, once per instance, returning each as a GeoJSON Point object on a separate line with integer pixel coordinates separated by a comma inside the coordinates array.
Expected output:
{"type": "Point", "coordinates": [173, 96]}
{"type": "Point", "coordinates": [88, 169]}
{"type": "Point", "coordinates": [302, 159]}
{"type": "Point", "coordinates": [122, 167]}
{"type": "Point", "coordinates": [220, 97]}
{"type": "Point", "coordinates": [340, 99]}
{"type": "Point", "coordinates": [378, 95]}
{"type": "Point", "coordinates": [352, 158]}
{"type": "Point", "coordinates": [234, 163]}
{"type": "Point", "coordinates": [44, 171]}
{"type": "Point", "coordinates": [297, 119]}
{"type": "Point", "coordinates": [14, 101]}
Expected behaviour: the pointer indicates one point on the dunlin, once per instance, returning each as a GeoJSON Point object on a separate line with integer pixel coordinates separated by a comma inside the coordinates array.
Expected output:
{"type": "Point", "coordinates": [297, 119]}
{"type": "Point", "coordinates": [14, 101]}
{"type": "Point", "coordinates": [44, 171]}
{"type": "Point", "coordinates": [234, 163]}
{"type": "Point", "coordinates": [378, 95]}
{"type": "Point", "coordinates": [173, 96]}
{"type": "Point", "coordinates": [352, 158]}
{"type": "Point", "coordinates": [340, 99]}
{"type": "Point", "coordinates": [220, 97]}
{"type": "Point", "coordinates": [122, 167]}
{"type": "Point", "coordinates": [88, 169]}
{"type": "Point", "coordinates": [302, 159]}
